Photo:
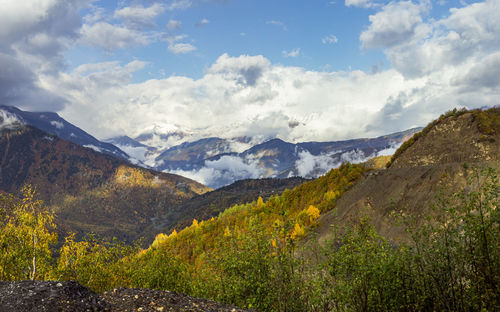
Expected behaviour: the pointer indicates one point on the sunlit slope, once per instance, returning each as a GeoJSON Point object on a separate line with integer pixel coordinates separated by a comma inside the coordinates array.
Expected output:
{"type": "Point", "coordinates": [443, 157]}
{"type": "Point", "coordinates": [89, 191]}
{"type": "Point", "coordinates": [292, 214]}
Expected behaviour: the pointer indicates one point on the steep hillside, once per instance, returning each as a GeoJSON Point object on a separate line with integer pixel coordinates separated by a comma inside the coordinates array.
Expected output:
{"type": "Point", "coordinates": [89, 191]}
{"type": "Point", "coordinates": [54, 124]}
{"type": "Point", "coordinates": [192, 154]}
{"type": "Point", "coordinates": [208, 205]}
{"type": "Point", "coordinates": [441, 157]}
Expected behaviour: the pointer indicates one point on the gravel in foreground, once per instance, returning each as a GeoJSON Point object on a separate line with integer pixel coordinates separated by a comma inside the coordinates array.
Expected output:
{"type": "Point", "coordinates": [49, 296]}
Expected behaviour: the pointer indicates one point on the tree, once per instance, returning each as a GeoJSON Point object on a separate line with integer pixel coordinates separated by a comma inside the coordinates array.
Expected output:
{"type": "Point", "coordinates": [25, 237]}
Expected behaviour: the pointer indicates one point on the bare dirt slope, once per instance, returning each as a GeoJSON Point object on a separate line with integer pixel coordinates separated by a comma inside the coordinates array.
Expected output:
{"type": "Point", "coordinates": [442, 160]}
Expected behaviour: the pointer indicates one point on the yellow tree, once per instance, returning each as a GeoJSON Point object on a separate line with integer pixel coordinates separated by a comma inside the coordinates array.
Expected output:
{"type": "Point", "coordinates": [25, 237]}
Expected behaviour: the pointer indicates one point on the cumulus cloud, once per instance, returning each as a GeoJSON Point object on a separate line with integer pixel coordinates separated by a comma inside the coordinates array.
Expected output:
{"type": "Point", "coordinates": [330, 39]}
{"type": "Point", "coordinates": [244, 69]}
{"type": "Point", "coordinates": [33, 39]}
{"type": "Point", "coordinates": [111, 37]}
{"type": "Point", "coordinates": [360, 3]}
{"type": "Point", "coordinates": [465, 38]}
{"type": "Point", "coordinates": [20, 86]}
{"type": "Point", "coordinates": [202, 22]}
{"type": "Point", "coordinates": [484, 74]}
{"type": "Point", "coordinates": [247, 96]}
{"type": "Point", "coordinates": [181, 48]}
{"type": "Point", "coordinates": [437, 64]}
{"type": "Point", "coordinates": [397, 23]}
{"type": "Point", "coordinates": [178, 4]}
{"type": "Point", "coordinates": [173, 25]}
{"type": "Point", "coordinates": [139, 16]}
{"type": "Point", "coordinates": [293, 53]}
{"type": "Point", "coordinates": [451, 62]}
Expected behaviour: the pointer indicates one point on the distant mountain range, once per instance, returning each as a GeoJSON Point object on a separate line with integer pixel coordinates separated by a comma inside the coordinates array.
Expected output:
{"type": "Point", "coordinates": [217, 162]}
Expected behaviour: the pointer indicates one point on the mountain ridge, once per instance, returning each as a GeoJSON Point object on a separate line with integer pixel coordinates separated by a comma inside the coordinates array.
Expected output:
{"type": "Point", "coordinates": [52, 123]}
{"type": "Point", "coordinates": [89, 191]}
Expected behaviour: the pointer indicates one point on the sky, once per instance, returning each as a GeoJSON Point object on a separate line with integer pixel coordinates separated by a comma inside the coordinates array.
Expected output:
{"type": "Point", "coordinates": [310, 70]}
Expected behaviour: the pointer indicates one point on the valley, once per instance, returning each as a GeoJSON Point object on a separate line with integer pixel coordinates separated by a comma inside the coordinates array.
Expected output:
{"type": "Point", "coordinates": [292, 237]}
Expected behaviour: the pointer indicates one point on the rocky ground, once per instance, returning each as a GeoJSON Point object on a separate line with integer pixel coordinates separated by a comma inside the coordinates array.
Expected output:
{"type": "Point", "coordinates": [38, 296]}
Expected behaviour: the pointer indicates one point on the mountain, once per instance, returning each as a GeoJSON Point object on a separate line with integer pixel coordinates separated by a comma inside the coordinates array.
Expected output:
{"type": "Point", "coordinates": [258, 245]}
{"type": "Point", "coordinates": [54, 124]}
{"type": "Point", "coordinates": [139, 153]}
{"type": "Point", "coordinates": [443, 156]}
{"type": "Point", "coordinates": [210, 204]}
{"type": "Point", "coordinates": [89, 191]}
{"type": "Point", "coordinates": [190, 155]}
{"type": "Point", "coordinates": [217, 162]}
{"type": "Point", "coordinates": [258, 254]}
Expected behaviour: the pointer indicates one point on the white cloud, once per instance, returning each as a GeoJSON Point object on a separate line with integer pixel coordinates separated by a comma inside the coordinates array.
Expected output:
{"type": "Point", "coordinates": [312, 166]}
{"type": "Point", "coordinates": [278, 23]}
{"type": "Point", "coordinates": [181, 48]}
{"type": "Point", "coordinates": [8, 120]}
{"type": "Point", "coordinates": [390, 150]}
{"type": "Point", "coordinates": [173, 25]}
{"type": "Point", "coordinates": [482, 75]}
{"type": "Point", "coordinates": [244, 69]}
{"type": "Point", "coordinates": [293, 53]}
{"type": "Point", "coordinates": [396, 24]}
{"type": "Point", "coordinates": [111, 37]}
{"type": "Point", "coordinates": [139, 16]}
{"type": "Point", "coordinates": [203, 22]}
{"type": "Point", "coordinates": [223, 171]}
{"type": "Point", "coordinates": [57, 124]}
{"type": "Point", "coordinates": [436, 65]}
{"type": "Point", "coordinates": [233, 99]}
{"type": "Point", "coordinates": [178, 5]}
{"type": "Point", "coordinates": [330, 39]}
{"type": "Point", "coordinates": [360, 3]}
{"type": "Point", "coordinates": [33, 39]}
{"type": "Point", "coordinates": [464, 38]}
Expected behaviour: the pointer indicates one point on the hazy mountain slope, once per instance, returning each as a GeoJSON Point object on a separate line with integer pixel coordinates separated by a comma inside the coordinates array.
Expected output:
{"type": "Point", "coordinates": [54, 124]}
{"type": "Point", "coordinates": [273, 158]}
{"type": "Point", "coordinates": [192, 154]}
{"type": "Point", "coordinates": [443, 158]}
{"type": "Point", "coordinates": [89, 191]}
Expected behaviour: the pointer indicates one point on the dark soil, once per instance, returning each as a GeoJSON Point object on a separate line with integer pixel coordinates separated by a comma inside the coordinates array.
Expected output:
{"type": "Point", "coordinates": [38, 296]}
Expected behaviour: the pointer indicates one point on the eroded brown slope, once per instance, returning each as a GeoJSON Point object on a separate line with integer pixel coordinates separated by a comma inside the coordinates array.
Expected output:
{"type": "Point", "coordinates": [442, 160]}
{"type": "Point", "coordinates": [89, 191]}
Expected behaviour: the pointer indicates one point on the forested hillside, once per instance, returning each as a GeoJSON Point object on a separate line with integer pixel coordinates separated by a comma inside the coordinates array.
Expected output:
{"type": "Point", "coordinates": [88, 191]}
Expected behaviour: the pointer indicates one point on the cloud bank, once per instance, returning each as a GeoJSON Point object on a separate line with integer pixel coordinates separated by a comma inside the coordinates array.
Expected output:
{"type": "Point", "coordinates": [223, 171]}
{"type": "Point", "coordinates": [436, 65]}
